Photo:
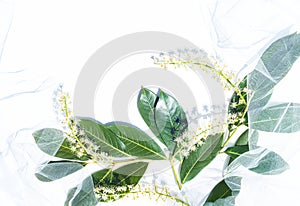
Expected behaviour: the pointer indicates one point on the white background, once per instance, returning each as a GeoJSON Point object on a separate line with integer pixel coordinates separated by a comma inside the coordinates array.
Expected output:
{"type": "Point", "coordinates": [52, 40]}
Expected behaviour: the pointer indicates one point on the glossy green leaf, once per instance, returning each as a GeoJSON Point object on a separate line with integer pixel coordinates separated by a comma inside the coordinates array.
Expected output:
{"type": "Point", "coordinates": [170, 119]}
{"type": "Point", "coordinates": [237, 150]}
{"type": "Point", "coordinates": [201, 157]}
{"type": "Point", "coordinates": [274, 64]}
{"type": "Point", "coordinates": [82, 195]}
{"type": "Point", "coordinates": [99, 135]}
{"type": "Point", "coordinates": [146, 103]}
{"type": "Point", "coordinates": [128, 175]}
{"type": "Point", "coordinates": [221, 190]}
{"type": "Point", "coordinates": [137, 142]}
{"type": "Point", "coordinates": [225, 192]}
{"type": "Point", "coordinates": [163, 115]}
{"type": "Point", "coordinates": [281, 118]}
{"type": "Point", "coordinates": [259, 160]}
{"type": "Point", "coordinates": [53, 142]}
{"type": "Point", "coordinates": [55, 170]}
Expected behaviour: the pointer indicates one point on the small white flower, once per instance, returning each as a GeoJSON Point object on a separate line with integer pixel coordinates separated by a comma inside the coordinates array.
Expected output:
{"type": "Point", "coordinates": [104, 197]}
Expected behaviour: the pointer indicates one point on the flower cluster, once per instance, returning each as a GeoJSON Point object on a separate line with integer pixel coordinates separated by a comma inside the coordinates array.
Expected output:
{"type": "Point", "coordinates": [111, 193]}
{"type": "Point", "coordinates": [78, 141]}
{"type": "Point", "coordinates": [197, 59]}
{"type": "Point", "coordinates": [151, 191]}
{"type": "Point", "coordinates": [62, 106]}
{"type": "Point", "coordinates": [191, 140]}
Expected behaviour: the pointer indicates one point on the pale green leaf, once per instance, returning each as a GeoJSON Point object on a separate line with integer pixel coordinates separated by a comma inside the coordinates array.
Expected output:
{"type": "Point", "coordinates": [55, 170]}
{"type": "Point", "coordinates": [260, 160]}
{"type": "Point", "coordinates": [82, 195]}
{"type": "Point", "coordinates": [281, 118]}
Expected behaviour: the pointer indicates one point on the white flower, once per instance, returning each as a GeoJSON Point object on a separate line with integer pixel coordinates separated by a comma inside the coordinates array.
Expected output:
{"type": "Point", "coordinates": [104, 197]}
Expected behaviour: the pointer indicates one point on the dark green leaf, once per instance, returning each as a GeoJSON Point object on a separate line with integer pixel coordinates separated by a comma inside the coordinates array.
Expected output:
{"type": "Point", "coordinates": [128, 175]}
{"type": "Point", "coordinates": [146, 102]}
{"type": "Point", "coordinates": [82, 195]}
{"type": "Point", "coordinates": [237, 150]}
{"type": "Point", "coordinates": [281, 118]}
{"type": "Point", "coordinates": [164, 116]}
{"type": "Point", "coordinates": [225, 192]}
{"type": "Point", "coordinates": [56, 170]}
{"type": "Point", "coordinates": [221, 190]}
{"type": "Point", "coordinates": [103, 137]}
{"type": "Point", "coordinates": [201, 157]}
{"type": "Point", "coordinates": [137, 142]}
{"type": "Point", "coordinates": [170, 119]}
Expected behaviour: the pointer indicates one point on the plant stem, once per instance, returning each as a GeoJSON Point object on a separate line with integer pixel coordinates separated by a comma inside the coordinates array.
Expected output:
{"type": "Point", "coordinates": [229, 138]}
{"type": "Point", "coordinates": [175, 173]}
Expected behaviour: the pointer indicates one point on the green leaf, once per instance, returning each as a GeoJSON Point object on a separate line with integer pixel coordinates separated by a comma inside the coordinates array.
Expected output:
{"type": "Point", "coordinates": [241, 146]}
{"type": "Point", "coordinates": [237, 150]}
{"type": "Point", "coordinates": [235, 107]}
{"type": "Point", "coordinates": [201, 157]}
{"type": "Point", "coordinates": [274, 64]}
{"type": "Point", "coordinates": [82, 195]}
{"type": "Point", "coordinates": [261, 161]}
{"type": "Point", "coordinates": [163, 115]}
{"type": "Point", "coordinates": [280, 56]}
{"type": "Point", "coordinates": [170, 119]}
{"type": "Point", "coordinates": [262, 88]}
{"type": "Point", "coordinates": [103, 137]}
{"type": "Point", "coordinates": [281, 118]}
{"type": "Point", "coordinates": [225, 192]}
{"type": "Point", "coordinates": [221, 190]}
{"type": "Point", "coordinates": [70, 195]}
{"type": "Point", "coordinates": [53, 142]}
{"type": "Point", "coordinates": [146, 102]}
{"type": "Point", "coordinates": [243, 139]}
{"type": "Point", "coordinates": [270, 164]}
{"type": "Point", "coordinates": [49, 140]}
{"type": "Point", "coordinates": [66, 152]}
{"type": "Point", "coordinates": [128, 175]}
{"type": "Point", "coordinates": [56, 170]}
{"type": "Point", "coordinates": [137, 142]}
